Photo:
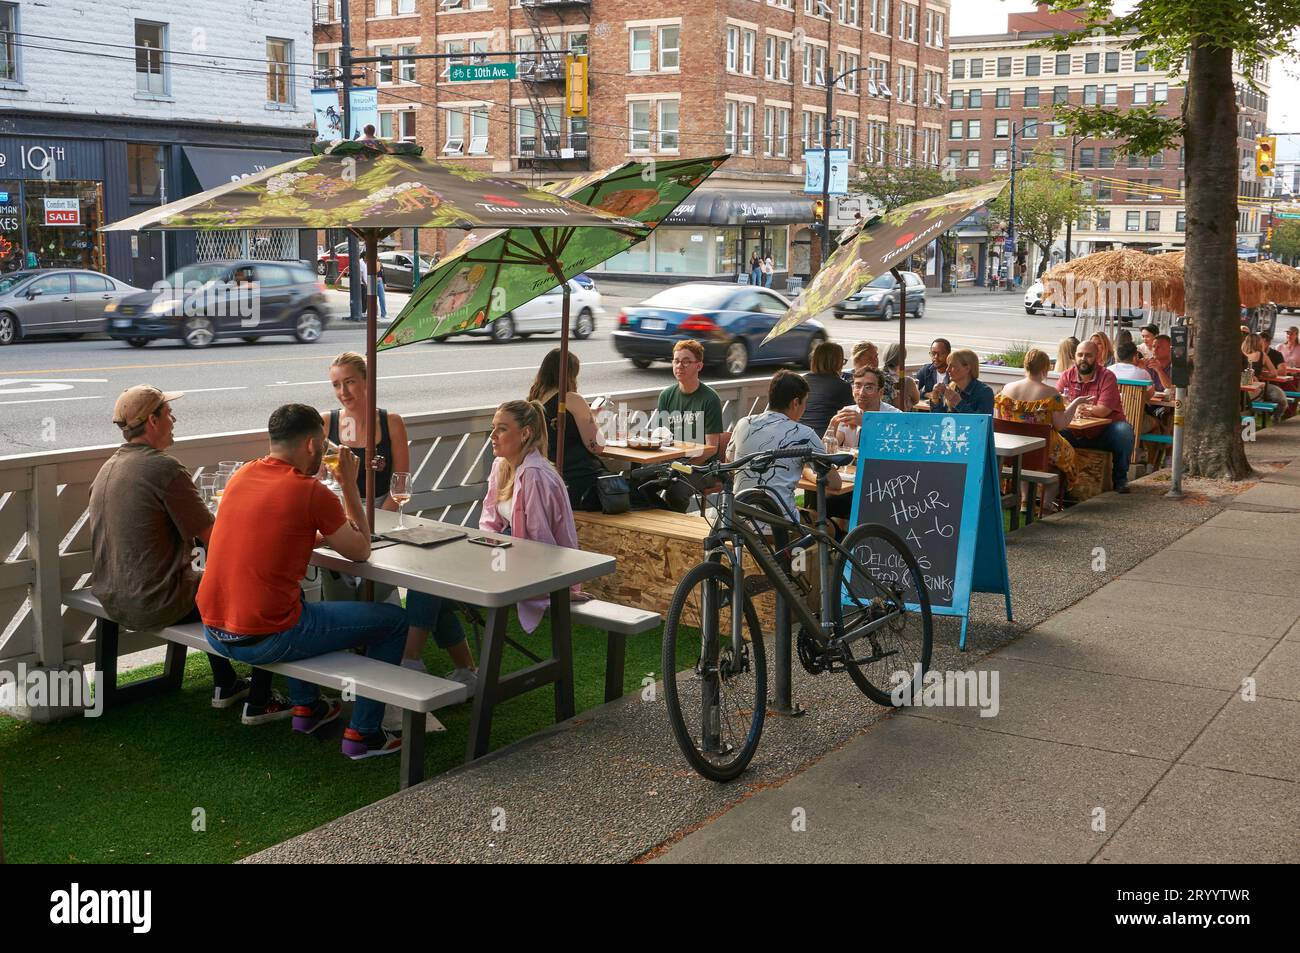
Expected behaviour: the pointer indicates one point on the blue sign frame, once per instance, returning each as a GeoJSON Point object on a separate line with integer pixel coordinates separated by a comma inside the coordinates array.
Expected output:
{"type": "Point", "coordinates": [965, 439]}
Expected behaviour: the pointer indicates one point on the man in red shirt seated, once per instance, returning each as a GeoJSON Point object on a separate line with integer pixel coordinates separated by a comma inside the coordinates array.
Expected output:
{"type": "Point", "coordinates": [273, 513]}
{"type": "Point", "coordinates": [1101, 388]}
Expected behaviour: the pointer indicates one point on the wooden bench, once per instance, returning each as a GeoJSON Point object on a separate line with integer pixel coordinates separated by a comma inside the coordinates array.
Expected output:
{"type": "Point", "coordinates": [1042, 486]}
{"type": "Point", "coordinates": [654, 549]}
{"type": "Point", "coordinates": [414, 692]}
{"type": "Point", "coordinates": [617, 622]}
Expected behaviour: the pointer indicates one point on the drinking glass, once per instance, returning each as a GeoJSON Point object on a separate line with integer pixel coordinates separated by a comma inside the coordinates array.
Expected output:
{"type": "Point", "coordinates": [207, 483]}
{"type": "Point", "coordinates": [400, 491]}
{"type": "Point", "coordinates": [219, 488]}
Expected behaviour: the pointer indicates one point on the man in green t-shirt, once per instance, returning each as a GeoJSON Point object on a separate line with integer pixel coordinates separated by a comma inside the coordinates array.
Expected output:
{"type": "Point", "coordinates": [690, 409]}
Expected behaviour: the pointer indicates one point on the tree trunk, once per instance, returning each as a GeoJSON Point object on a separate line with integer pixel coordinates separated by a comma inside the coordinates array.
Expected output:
{"type": "Point", "coordinates": [1213, 446]}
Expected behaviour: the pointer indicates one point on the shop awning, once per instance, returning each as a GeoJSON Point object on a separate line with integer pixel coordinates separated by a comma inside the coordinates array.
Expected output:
{"type": "Point", "coordinates": [743, 207]}
{"type": "Point", "coordinates": [213, 167]}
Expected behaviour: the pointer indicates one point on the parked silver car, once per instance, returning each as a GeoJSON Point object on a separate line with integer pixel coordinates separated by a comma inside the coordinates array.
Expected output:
{"type": "Point", "coordinates": [66, 301]}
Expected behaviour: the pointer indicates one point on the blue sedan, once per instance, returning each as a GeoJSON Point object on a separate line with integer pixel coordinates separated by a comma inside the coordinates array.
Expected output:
{"type": "Point", "coordinates": [729, 320]}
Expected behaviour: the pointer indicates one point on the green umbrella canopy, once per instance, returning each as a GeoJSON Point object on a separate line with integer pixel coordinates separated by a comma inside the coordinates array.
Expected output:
{"type": "Point", "coordinates": [371, 186]}
{"type": "Point", "coordinates": [881, 245]}
{"type": "Point", "coordinates": [490, 274]}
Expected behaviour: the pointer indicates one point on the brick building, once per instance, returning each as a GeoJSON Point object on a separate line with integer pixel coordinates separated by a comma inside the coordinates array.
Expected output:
{"type": "Point", "coordinates": [681, 78]}
{"type": "Point", "coordinates": [1002, 83]}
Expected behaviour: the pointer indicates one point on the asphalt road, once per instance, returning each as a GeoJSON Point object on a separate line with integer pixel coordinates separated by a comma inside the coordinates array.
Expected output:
{"type": "Point", "coordinates": [57, 394]}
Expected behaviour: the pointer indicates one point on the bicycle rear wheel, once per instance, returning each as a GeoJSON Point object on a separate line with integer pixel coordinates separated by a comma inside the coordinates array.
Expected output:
{"type": "Point", "coordinates": [898, 652]}
{"type": "Point", "coordinates": [716, 709]}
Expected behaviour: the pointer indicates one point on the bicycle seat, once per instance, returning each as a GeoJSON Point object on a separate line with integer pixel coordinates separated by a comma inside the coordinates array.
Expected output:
{"type": "Point", "coordinates": [829, 461]}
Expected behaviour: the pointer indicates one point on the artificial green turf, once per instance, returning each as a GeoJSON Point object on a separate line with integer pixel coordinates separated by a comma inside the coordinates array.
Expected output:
{"type": "Point", "coordinates": [124, 787]}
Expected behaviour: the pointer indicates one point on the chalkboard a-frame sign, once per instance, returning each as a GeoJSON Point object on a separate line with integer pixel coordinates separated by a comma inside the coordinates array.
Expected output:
{"type": "Point", "coordinates": [933, 480]}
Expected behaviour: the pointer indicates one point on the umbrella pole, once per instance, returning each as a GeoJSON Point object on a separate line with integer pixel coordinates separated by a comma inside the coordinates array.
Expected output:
{"type": "Point", "coordinates": [902, 338]}
{"type": "Point", "coordinates": [372, 397]}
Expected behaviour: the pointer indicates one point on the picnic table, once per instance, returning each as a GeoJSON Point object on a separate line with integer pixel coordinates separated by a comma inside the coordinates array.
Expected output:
{"type": "Point", "coordinates": [473, 574]}
{"type": "Point", "coordinates": [1014, 446]}
{"type": "Point", "coordinates": [643, 458]}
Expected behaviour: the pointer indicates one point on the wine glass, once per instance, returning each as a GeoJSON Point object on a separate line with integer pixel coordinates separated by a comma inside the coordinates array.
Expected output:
{"type": "Point", "coordinates": [400, 492]}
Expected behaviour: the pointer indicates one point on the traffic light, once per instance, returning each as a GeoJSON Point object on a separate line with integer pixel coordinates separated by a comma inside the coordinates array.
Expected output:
{"type": "Point", "coordinates": [1265, 156]}
{"type": "Point", "coordinates": [1268, 239]}
{"type": "Point", "coordinates": [819, 210]}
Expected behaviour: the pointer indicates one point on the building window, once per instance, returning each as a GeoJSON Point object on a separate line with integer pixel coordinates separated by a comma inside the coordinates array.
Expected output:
{"type": "Point", "coordinates": [578, 138]}
{"type": "Point", "coordinates": [1103, 220]}
{"type": "Point", "coordinates": [954, 128]}
{"type": "Point", "coordinates": [845, 63]}
{"type": "Point", "coordinates": [1033, 65]}
{"type": "Point", "coordinates": [1062, 64]}
{"type": "Point", "coordinates": [1090, 95]}
{"type": "Point", "coordinates": [1031, 97]}
{"type": "Point", "coordinates": [975, 98]}
{"type": "Point", "coordinates": [813, 131]}
{"type": "Point", "coordinates": [150, 58]}
{"type": "Point", "coordinates": [776, 61]}
{"type": "Point", "coordinates": [478, 132]}
{"type": "Point", "coordinates": [639, 126]}
{"type": "Point", "coordinates": [849, 139]}
{"type": "Point", "coordinates": [973, 129]}
{"type": "Point", "coordinates": [849, 12]}
{"type": "Point", "coordinates": [939, 30]}
{"type": "Point", "coordinates": [279, 71]}
{"type": "Point", "coordinates": [1110, 95]}
{"type": "Point", "coordinates": [1153, 221]}
{"type": "Point", "coordinates": [405, 66]}
{"type": "Point", "coordinates": [959, 99]}
{"type": "Point", "coordinates": [1112, 62]}
{"type": "Point", "coordinates": [669, 123]}
{"type": "Point", "coordinates": [1058, 158]}
{"type": "Point", "coordinates": [814, 65]}
{"type": "Point", "coordinates": [1060, 94]}
{"type": "Point", "coordinates": [1180, 221]}
{"type": "Point", "coordinates": [639, 56]}
{"type": "Point", "coordinates": [958, 69]}
{"type": "Point", "coordinates": [455, 142]}
{"type": "Point", "coordinates": [733, 49]}
{"type": "Point", "coordinates": [999, 158]}
{"type": "Point", "coordinates": [1161, 93]}
{"type": "Point", "coordinates": [670, 48]}
{"type": "Point", "coordinates": [1004, 66]}
{"type": "Point", "coordinates": [1157, 161]}
{"type": "Point", "coordinates": [1001, 128]}
{"type": "Point", "coordinates": [142, 171]}
{"type": "Point", "coordinates": [907, 22]}
{"type": "Point", "coordinates": [1140, 62]}
{"type": "Point", "coordinates": [976, 69]}
{"type": "Point", "coordinates": [1087, 158]}
{"type": "Point", "coordinates": [880, 15]}
{"type": "Point", "coordinates": [1083, 223]}
{"type": "Point", "coordinates": [1155, 190]}
{"type": "Point", "coordinates": [8, 48]}
{"type": "Point", "coordinates": [1139, 93]}
{"type": "Point", "coordinates": [776, 131]}
{"type": "Point", "coordinates": [1030, 130]}
{"type": "Point", "coordinates": [1106, 158]}
{"type": "Point", "coordinates": [1002, 98]}
{"type": "Point", "coordinates": [1091, 62]}
{"type": "Point", "coordinates": [747, 53]}
{"type": "Point", "coordinates": [972, 158]}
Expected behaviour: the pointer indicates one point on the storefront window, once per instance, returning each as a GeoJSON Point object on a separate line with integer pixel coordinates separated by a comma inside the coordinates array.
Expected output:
{"type": "Point", "coordinates": [727, 241]}
{"type": "Point", "coordinates": [63, 221]}
{"type": "Point", "coordinates": [682, 251]}
{"type": "Point", "coordinates": [777, 240]}
{"type": "Point", "coordinates": [967, 258]}
{"type": "Point", "coordinates": [142, 171]}
{"type": "Point", "coordinates": [637, 259]}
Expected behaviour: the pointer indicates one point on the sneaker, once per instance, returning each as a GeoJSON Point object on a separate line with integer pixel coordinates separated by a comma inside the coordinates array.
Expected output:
{"type": "Point", "coordinates": [359, 747]}
{"type": "Point", "coordinates": [276, 708]}
{"type": "Point", "coordinates": [230, 696]}
{"type": "Point", "coordinates": [1122, 488]}
{"type": "Point", "coordinates": [308, 718]}
{"type": "Point", "coordinates": [466, 676]}
{"type": "Point", "coordinates": [415, 665]}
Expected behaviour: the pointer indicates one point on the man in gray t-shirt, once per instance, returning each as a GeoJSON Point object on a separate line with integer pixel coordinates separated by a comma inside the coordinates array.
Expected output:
{"type": "Point", "coordinates": [778, 428]}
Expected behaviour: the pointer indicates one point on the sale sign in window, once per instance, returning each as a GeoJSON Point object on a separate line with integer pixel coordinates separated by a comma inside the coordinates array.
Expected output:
{"type": "Point", "coordinates": [62, 211]}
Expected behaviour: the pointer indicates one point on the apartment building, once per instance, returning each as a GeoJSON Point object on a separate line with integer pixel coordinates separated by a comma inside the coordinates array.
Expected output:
{"type": "Point", "coordinates": [1005, 83]}
{"type": "Point", "coordinates": [680, 78]}
{"type": "Point", "coordinates": [116, 109]}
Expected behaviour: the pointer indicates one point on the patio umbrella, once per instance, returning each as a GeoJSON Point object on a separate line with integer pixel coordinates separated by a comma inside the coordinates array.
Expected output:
{"type": "Point", "coordinates": [1108, 281]}
{"type": "Point", "coordinates": [1283, 281]}
{"type": "Point", "coordinates": [371, 189]}
{"type": "Point", "coordinates": [1253, 285]}
{"type": "Point", "coordinates": [491, 273]}
{"type": "Point", "coordinates": [879, 246]}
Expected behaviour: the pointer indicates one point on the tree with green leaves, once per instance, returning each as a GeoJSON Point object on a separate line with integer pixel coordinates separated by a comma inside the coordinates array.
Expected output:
{"type": "Point", "coordinates": [1044, 203]}
{"type": "Point", "coordinates": [1286, 240]}
{"type": "Point", "coordinates": [1209, 38]}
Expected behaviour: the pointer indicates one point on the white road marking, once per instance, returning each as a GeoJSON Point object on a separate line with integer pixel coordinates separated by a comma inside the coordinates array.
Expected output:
{"type": "Point", "coordinates": [10, 386]}
{"type": "Point", "coordinates": [398, 377]}
{"type": "Point", "coordinates": [205, 390]}
{"type": "Point", "coordinates": [48, 400]}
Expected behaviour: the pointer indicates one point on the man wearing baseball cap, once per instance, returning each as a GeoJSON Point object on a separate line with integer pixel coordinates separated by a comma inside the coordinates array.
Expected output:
{"type": "Point", "coordinates": [145, 514]}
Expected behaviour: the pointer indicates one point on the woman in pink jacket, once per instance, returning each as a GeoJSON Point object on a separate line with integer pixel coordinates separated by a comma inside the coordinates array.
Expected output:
{"type": "Point", "coordinates": [526, 497]}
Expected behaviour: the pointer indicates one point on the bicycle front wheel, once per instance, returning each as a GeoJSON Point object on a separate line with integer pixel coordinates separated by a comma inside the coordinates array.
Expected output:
{"type": "Point", "coordinates": [716, 707]}
{"type": "Point", "coordinates": [875, 579]}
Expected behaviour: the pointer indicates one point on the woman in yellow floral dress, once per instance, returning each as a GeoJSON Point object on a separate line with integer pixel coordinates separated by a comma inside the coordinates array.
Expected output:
{"type": "Point", "coordinates": [1033, 401]}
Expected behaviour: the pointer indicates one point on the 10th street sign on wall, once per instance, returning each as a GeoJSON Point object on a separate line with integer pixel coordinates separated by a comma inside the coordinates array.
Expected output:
{"type": "Point", "coordinates": [475, 72]}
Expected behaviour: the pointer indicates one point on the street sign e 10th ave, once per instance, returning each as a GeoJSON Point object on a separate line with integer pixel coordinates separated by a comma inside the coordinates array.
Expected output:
{"type": "Point", "coordinates": [474, 72]}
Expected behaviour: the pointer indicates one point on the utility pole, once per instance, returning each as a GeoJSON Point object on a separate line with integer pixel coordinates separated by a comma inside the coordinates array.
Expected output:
{"type": "Point", "coordinates": [345, 61]}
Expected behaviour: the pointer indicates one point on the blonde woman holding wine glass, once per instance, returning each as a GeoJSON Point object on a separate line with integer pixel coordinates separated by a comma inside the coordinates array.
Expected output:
{"type": "Point", "coordinates": [347, 426]}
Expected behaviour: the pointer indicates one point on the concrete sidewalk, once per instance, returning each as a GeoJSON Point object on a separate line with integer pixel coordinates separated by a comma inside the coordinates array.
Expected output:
{"type": "Point", "coordinates": [1119, 690]}
{"type": "Point", "coordinates": [1169, 700]}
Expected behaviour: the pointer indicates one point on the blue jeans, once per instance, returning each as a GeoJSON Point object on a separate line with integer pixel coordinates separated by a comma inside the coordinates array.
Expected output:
{"type": "Point", "coordinates": [432, 614]}
{"type": "Point", "coordinates": [1116, 439]}
{"type": "Point", "coordinates": [767, 280]}
{"type": "Point", "coordinates": [383, 305]}
{"type": "Point", "coordinates": [379, 628]}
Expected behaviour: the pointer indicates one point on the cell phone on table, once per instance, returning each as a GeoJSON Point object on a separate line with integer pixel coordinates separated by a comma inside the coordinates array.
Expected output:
{"type": "Point", "coordinates": [488, 541]}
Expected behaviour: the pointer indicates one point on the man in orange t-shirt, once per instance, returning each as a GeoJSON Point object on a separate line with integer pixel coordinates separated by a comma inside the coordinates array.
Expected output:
{"type": "Point", "coordinates": [267, 525]}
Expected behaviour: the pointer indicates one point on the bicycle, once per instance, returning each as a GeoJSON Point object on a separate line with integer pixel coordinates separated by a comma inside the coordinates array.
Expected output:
{"type": "Point", "coordinates": [717, 712]}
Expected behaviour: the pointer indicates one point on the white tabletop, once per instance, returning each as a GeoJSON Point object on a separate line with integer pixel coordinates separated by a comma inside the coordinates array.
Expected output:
{"type": "Point", "coordinates": [1016, 445]}
{"type": "Point", "coordinates": [464, 571]}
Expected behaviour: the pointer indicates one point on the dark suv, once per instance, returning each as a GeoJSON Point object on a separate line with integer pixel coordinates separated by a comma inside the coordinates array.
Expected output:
{"type": "Point", "coordinates": [243, 298]}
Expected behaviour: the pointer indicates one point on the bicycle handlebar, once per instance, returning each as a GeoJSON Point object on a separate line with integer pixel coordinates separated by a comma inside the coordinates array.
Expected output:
{"type": "Point", "coordinates": [755, 461]}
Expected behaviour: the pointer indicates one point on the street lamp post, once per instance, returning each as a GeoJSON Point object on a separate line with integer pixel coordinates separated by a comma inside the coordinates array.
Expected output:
{"type": "Point", "coordinates": [831, 80]}
{"type": "Point", "coordinates": [1010, 247]}
{"type": "Point", "coordinates": [1069, 222]}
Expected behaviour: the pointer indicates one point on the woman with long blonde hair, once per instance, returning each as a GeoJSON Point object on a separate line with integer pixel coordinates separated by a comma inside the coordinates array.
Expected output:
{"type": "Point", "coordinates": [526, 497]}
{"type": "Point", "coordinates": [1065, 354]}
{"type": "Point", "coordinates": [1105, 348]}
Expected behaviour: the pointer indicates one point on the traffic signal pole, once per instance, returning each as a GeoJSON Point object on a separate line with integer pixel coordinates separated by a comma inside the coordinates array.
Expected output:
{"type": "Point", "coordinates": [345, 61]}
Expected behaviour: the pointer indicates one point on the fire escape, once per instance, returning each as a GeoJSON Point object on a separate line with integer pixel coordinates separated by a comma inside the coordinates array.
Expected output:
{"type": "Point", "coordinates": [543, 76]}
